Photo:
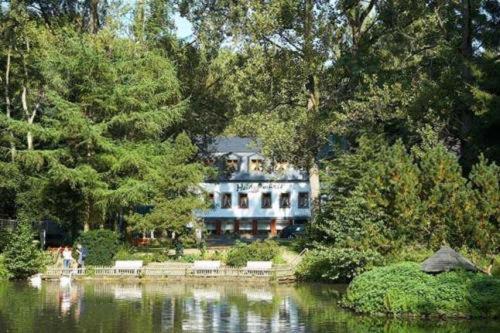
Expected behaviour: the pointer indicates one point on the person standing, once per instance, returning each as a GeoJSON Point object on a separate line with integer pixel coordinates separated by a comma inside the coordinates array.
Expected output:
{"type": "Point", "coordinates": [66, 257]}
{"type": "Point", "coordinates": [82, 254]}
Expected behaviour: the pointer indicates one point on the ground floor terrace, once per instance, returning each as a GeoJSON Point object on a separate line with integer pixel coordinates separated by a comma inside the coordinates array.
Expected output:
{"type": "Point", "coordinates": [257, 227]}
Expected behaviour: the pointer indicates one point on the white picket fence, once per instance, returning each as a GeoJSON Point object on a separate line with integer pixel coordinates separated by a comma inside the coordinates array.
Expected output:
{"type": "Point", "coordinates": [185, 270]}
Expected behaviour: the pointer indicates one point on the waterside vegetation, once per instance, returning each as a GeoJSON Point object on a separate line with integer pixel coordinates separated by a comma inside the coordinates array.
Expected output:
{"type": "Point", "coordinates": [404, 290]}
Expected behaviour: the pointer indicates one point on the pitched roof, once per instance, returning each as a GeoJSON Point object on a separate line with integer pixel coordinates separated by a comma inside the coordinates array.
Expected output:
{"type": "Point", "coordinates": [234, 144]}
{"type": "Point", "coordinates": [446, 259]}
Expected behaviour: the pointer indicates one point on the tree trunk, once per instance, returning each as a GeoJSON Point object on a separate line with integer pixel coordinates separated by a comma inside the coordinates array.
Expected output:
{"type": "Point", "coordinates": [24, 103]}
{"type": "Point", "coordinates": [29, 139]}
{"type": "Point", "coordinates": [312, 87]}
{"type": "Point", "coordinates": [94, 16]}
{"type": "Point", "coordinates": [139, 21]}
{"type": "Point", "coordinates": [30, 116]}
{"type": "Point", "coordinates": [86, 222]}
{"type": "Point", "coordinates": [315, 188]}
{"type": "Point", "coordinates": [8, 102]}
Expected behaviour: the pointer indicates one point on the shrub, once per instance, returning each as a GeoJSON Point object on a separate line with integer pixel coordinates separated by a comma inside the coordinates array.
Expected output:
{"type": "Point", "coordinates": [22, 256]}
{"type": "Point", "coordinates": [266, 250]}
{"type": "Point", "coordinates": [216, 255]}
{"type": "Point", "coordinates": [336, 264]}
{"type": "Point", "coordinates": [189, 258]}
{"type": "Point", "coordinates": [4, 238]}
{"type": "Point", "coordinates": [238, 255]}
{"type": "Point", "coordinates": [403, 289]}
{"type": "Point", "coordinates": [496, 267]}
{"type": "Point", "coordinates": [410, 253]}
{"type": "Point", "coordinates": [102, 246]}
{"type": "Point", "coordinates": [4, 273]}
{"type": "Point", "coordinates": [127, 253]}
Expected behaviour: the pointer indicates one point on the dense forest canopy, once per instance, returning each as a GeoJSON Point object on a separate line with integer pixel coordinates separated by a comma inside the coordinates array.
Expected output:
{"type": "Point", "coordinates": [101, 101]}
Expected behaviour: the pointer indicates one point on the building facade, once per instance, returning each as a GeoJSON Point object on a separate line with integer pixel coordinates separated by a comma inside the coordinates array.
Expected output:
{"type": "Point", "coordinates": [251, 194]}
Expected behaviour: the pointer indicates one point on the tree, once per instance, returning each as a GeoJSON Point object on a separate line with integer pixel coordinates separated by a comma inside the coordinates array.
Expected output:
{"type": "Point", "coordinates": [172, 183]}
{"type": "Point", "coordinates": [106, 101]}
{"type": "Point", "coordinates": [285, 50]}
{"type": "Point", "coordinates": [22, 256]}
{"type": "Point", "coordinates": [390, 67]}
{"type": "Point", "coordinates": [383, 197]}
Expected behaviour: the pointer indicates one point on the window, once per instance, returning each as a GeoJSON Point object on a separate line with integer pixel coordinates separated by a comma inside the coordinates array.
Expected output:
{"type": "Point", "coordinates": [232, 165]}
{"type": "Point", "coordinates": [226, 200]}
{"type": "Point", "coordinates": [256, 165]}
{"type": "Point", "coordinates": [266, 200]}
{"type": "Point", "coordinates": [243, 200]}
{"type": "Point", "coordinates": [211, 200]}
{"type": "Point", "coordinates": [285, 200]}
{"type": "Point", "coordinates": [303, 200]}
{"type": "Point", "coordinates": [281, 166]}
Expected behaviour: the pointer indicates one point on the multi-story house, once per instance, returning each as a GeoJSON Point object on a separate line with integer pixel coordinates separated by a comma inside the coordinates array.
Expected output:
{"type": "Point", "coordinates": [251, 194]}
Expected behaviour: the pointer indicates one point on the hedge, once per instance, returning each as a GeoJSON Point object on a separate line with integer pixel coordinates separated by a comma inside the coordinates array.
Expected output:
{"type": "Point", "coordinates": [102, 245]}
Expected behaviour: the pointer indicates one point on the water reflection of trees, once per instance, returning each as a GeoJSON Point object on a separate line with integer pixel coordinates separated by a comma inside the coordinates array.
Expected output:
{"type": "Point", "coordinates": [175, 307]}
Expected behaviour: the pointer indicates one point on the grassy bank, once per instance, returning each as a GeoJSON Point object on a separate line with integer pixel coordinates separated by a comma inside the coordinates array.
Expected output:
{"type": "Point", "coordinates": [403, 290]}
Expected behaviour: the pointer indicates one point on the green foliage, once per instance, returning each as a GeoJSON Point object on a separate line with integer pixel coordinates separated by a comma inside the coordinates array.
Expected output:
{"type": "Point", "coordinates": [384, 197]}
{"type": "Point", "coordinates": [411, 253]}
{"type": "Point", "coordinates": [172, 189]}
{"type": "Point", "coordinates": [4, 272]}
{"type": "Point", "coordinates": [336, 264]}
{"type": "Point", "coordinates": [216, 255]}
{"type": "Point", "coordinates": [127, 253]}
{"type": "Point", "coordinates": [240, 253]}
{"type": "Point", "coordinates": [5, 235]}
{"type": "Point", "coordinates": [189, 258]}
{"type": "Point", "coordinates": [22, 257]}
{"type": "Point", "coordinates": [403, 289]}
{"type": "Point", "coordinates": [105, 111]}
{"type": "Point", "coordinates": [102, 245]}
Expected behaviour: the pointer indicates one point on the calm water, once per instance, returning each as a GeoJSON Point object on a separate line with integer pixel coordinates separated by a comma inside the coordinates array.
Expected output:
{"type": "Point", "coordinates": [182, 307]}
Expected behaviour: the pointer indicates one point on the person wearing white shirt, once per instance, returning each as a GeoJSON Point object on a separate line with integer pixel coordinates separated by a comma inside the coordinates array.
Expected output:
{"type": "Point", "coordinates": [67, 257]}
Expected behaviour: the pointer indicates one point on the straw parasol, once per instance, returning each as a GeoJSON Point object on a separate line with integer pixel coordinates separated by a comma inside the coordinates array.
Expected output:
{"type": "Point", "coordinates": [447, 259]}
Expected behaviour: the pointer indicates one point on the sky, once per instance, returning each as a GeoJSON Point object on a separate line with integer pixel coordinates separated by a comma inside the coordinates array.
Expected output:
{"type": "Point", "coordinates": [184, 28]}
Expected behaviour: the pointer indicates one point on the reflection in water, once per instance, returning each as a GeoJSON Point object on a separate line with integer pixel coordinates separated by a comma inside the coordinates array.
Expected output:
{"type": "Point", "coordinates": [128, 292]}
{"type": "Point", "coordinates": [177, 307]}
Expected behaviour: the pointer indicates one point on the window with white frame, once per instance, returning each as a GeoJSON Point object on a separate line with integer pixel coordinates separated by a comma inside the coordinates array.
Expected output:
{"type": "Point", "coordinates": [303, 200]}
{"type": "Point", "coordinates": [266, 200]}
{"type": "Point", "coordinates": [226, 200]}
{"type": "Point", "coordinates": [285, 200]}
{"type": "Point", "coordinates": [243, 200]}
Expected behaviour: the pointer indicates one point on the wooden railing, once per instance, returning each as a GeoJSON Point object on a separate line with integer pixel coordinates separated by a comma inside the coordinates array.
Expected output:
{"type": "Point", "coordinates": [185, 270]}
{"type": "Point", "coordinates": [298, 257]}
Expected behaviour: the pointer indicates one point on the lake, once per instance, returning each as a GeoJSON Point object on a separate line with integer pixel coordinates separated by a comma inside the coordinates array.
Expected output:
{"type": "Point", "coordinates": [192, 307]}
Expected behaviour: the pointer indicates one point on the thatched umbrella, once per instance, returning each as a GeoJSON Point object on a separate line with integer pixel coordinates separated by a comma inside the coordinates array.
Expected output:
{"type": "Point", "coordinates": [447, 259]}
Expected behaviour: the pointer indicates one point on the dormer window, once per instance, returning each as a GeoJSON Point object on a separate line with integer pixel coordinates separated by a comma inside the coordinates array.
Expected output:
{"type": "Point", "coordinates": [256, 165]}
{"type": "Point", "coordinates": [232, 165]}
{"type": "Point", "coordinates": [281, 166]}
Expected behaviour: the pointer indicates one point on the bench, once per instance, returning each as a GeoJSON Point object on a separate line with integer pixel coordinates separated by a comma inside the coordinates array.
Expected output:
{"type": "Point", "coordinates": [206, 267]}
{"type": "Point", "coordinates": [258, 267]}
{"type": "Point", "coordinates": [128, 267]}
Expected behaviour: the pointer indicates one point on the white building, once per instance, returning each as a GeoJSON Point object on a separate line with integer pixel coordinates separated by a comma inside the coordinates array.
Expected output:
{"type": "Point", "coordinates": [251, 194]}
